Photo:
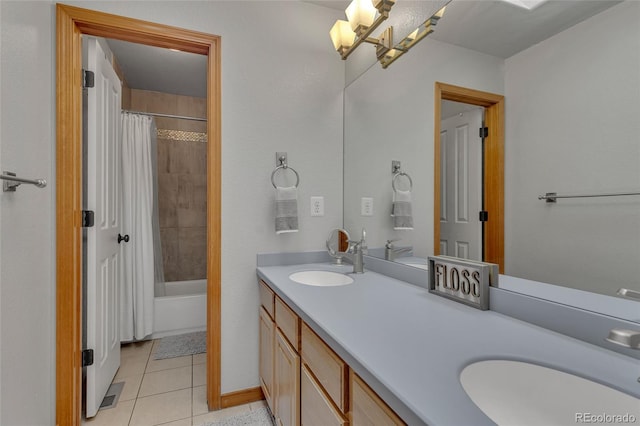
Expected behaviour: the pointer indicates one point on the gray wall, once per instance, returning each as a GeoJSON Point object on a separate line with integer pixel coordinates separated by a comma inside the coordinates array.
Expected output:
{"type": "Point", "coordinates": [572, 126]}
{"type": "Point", "coordinates": [27, 287]}
{"type": "Point", "coordinates": [279, 93]}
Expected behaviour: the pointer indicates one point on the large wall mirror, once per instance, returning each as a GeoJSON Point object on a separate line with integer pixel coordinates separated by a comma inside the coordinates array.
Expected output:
{"type": "Point", "coordinates": [569, 72]}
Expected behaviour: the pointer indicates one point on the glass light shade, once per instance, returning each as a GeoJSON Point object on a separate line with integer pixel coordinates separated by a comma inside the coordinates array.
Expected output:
{"type": "Point", "coordinates": [341, 35]}
{"type": "Point", "coordinates": [440, 13]}
{"type": "Point", "coordinates": [392, 53]}
{"type": "Point", "coordinates": [413, 35]}
{"type": "Point", "coordinates": [361, 13]}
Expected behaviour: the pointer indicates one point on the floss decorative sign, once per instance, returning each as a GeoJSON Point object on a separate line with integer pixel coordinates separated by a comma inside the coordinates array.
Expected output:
{"type": "Point", "coordinates": [462, 280]}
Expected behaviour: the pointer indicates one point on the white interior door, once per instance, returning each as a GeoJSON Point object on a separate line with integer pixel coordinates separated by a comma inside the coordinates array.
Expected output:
{"type": "Point", "coordinates": [461, 185]}
{"type": "Point", "coordinates": [103, 252]}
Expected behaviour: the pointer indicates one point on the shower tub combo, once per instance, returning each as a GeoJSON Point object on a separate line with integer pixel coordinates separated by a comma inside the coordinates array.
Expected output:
{"type": "Point", "coordinates": [183, 309]}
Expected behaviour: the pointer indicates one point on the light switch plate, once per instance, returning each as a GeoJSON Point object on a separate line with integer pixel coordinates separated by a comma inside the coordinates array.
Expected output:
{"type": "Point", "coordinates": [366, 206]}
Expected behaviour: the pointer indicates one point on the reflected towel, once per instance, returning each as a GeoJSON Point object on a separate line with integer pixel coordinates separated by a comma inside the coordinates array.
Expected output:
{"type": "Point", "coordinates": [401, 210]}
{"type": "Point", "coordinates": [286, 210]}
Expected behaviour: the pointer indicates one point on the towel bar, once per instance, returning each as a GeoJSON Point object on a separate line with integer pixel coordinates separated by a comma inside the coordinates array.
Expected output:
{"type": "Point", "coordinates": [551, 197]}
{"type": "Point", "coordinates": [12, 181]}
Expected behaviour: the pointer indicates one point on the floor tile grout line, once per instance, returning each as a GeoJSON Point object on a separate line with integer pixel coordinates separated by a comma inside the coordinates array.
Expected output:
{"type": "Point", "coordinates": [144, 373]}
{"type": "Point", "coordinates": [167, 369]}
{"type": "Point", "coordinates": [192, 387]}
{"type": "Point", "coordinates": [135, 402]}
{"type": "Point", "coordinates": [161, 393]}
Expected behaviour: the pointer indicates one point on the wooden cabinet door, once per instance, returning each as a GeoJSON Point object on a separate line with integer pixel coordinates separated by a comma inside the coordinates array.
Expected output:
{"type": "Point", "coordinates": [317, 408]}
{"type": "Point", "coordinates": [287, 383]}
{"type": "Point", "coordinates": [327, 367]}
{"type": "Point", "coordinates": [267, 346]}
{"type": "Point", "coordinates": [367, 408]}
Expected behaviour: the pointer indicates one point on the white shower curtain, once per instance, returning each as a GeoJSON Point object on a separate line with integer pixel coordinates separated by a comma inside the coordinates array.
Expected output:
{"type": "Point", "coordinates": [136, 307]}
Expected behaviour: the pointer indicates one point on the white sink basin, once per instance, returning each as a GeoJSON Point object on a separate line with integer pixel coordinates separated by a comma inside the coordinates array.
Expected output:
{"type": "Point", "coordinates": [519, 393]}
{"type": "Point", "coordinates": [321, 278]}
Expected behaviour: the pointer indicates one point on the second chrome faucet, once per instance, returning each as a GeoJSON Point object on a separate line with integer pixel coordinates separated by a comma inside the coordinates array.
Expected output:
{"type": "Point", "coordinates": [391, 252]}
{"type": "Point", "coordinates": [355, 253]}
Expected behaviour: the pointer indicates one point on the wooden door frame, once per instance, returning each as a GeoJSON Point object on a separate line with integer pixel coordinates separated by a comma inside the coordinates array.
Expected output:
{"type": "Point", "coordinates": [71, 24]}
{"type": "Point", "coordinates": [493, 166]}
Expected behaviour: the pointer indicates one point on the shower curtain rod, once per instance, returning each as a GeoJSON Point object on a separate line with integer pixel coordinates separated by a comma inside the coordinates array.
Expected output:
{"type": "Point", "coordinates": [157, 114]}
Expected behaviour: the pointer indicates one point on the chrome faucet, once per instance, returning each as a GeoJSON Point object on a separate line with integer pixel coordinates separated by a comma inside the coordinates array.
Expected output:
{"type": "Point", "coordinates": [355, 251]}
{"type": "Point", "coordinates": [391, 252]}
{"type": "Point", "coordinates": [627, 338]}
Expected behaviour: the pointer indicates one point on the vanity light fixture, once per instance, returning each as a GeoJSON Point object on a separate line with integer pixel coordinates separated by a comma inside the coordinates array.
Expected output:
{"type": "Point", "coordinates": [362, 21]}
{"type": "Point", "coordinates": [426, 28]}
{"type": "Point", "coordinates": [364, 16]}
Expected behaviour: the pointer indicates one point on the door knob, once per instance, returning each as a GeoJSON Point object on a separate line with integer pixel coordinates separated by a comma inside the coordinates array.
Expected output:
{"type": "Point", "coordinates": [121, 238]}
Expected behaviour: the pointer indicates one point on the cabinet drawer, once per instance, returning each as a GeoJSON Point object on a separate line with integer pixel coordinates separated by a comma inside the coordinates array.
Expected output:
{"type": "Point", "coordinates": [267, 298]}
{"type": "Point", "coordinates": [288, 322]}
{"type": "Point", "coordinates": [327, 367]}
{"type": "Point", "coordinates": [316, 408]}
{"type": "Point", "coordinates": [367, 408]}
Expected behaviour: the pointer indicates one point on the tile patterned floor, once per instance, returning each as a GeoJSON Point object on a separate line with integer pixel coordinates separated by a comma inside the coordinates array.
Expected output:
{"type": "Point", "coordinates": [168, 392]}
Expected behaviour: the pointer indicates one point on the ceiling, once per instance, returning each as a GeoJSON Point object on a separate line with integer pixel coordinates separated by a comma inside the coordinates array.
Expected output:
{"type": "Point", "coordinates": [492, 27]}
{"type": "Point", "coordinates": [331, 4]}
{"type": "Point", "coordinates": [502, 29]}
{"type": "Point", "coordinates": [161, 70]}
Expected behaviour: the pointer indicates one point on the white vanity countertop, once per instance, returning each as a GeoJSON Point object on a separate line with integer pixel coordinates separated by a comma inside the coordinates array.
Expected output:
{"type": "Point", "coordinates": [410, 346]}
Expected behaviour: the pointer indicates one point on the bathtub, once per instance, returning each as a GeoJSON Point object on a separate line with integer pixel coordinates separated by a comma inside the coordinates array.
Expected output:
{"type": "Point", "coordinates": [182, 310]}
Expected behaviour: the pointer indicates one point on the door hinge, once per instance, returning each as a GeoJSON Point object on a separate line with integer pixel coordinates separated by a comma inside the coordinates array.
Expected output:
{"type": "Point", "coordinates": [88, 79]}
{"type": "Point", "coordinates": [87, 357]}
{"type": "Point", "coordinates": [484, 132]}
{"type": "Point", "coordinates": [88, 218]}
{"type": "Point", "coordinates": [484, 216]}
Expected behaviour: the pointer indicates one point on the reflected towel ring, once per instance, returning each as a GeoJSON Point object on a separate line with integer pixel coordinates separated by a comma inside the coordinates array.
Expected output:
{"type": "Point", "coordinates": [273, 174]}
{"type": "Point", "coordinates": [393, 181]}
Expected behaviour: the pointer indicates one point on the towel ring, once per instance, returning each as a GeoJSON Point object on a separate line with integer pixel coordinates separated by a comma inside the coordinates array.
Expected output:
{"type": "Point", "coordinates": [273, 174]}
{"type": "Point", "coordinates": [397, 175]}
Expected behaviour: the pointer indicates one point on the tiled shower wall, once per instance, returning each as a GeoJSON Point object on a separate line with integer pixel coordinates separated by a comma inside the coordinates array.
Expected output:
{"type": "Point", "coordinates": [182, 184]}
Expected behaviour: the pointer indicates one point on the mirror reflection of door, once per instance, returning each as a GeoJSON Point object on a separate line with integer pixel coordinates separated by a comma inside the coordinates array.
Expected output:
{"type": "Point", "coordinates": [461, 180]}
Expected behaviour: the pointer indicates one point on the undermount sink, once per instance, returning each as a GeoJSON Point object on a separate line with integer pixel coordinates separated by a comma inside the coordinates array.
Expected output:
{"type": "Point", "coordinates": [513, 392]}
{"type": "Point", "coordinates": [321, 278]}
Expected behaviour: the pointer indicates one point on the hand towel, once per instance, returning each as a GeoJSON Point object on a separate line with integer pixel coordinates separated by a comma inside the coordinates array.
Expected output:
{"type": "Point", "coordinates": [401, 210]}
{"type": "Point", "coordinates": [286, 209]}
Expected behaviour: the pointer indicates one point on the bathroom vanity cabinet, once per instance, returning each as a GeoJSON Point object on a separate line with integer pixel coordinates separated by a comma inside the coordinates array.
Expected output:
{"type": "Point", "coordinates": [383, 351]}
{"type": "Point", "coordinates": [279, 358]}
{"type": "Point", "coordinates": [303, 379]}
